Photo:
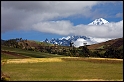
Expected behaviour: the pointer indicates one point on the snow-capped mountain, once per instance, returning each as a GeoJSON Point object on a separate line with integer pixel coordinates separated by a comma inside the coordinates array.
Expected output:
{"type": "Point", "coordinates": [77, 40]}
{"type": "Point", "coordinates": [99, 21]}
{"type": "Point", "coordinates": [80, 40]}
{"type": "Point", "coordinates": [65, 41]}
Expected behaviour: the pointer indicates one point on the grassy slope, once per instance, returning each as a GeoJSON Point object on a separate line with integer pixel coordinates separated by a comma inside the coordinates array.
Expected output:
{"type": "Point", "coordinates": [44, 43]}
{"type": "Point", "coordinates": [65, 71]}
{"type": "Point", "coordinates": [6, 56]}
{"type": "Point", "coordinates": [30, 53]}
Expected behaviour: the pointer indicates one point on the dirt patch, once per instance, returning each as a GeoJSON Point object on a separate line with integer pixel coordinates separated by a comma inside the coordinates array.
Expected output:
{"type": "Point", "coordinates": [14, 54]}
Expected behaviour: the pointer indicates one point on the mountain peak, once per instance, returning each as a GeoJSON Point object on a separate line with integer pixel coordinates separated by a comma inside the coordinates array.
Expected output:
{"type": "Point", "coordinates": [99, 21]}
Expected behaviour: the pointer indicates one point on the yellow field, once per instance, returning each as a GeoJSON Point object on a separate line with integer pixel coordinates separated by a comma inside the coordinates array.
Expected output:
{"type": "Point", "coordinates": [82, 70]}
{"type": "Point", "coordinates": [34, 60]}
{"type": "Point", "coordinates": [57, 59]}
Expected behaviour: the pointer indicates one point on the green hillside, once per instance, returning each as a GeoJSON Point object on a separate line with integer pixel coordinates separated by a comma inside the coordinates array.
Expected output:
{"type": "Point", "coordinates": [10, 52]}
{"type": "Point", "coordinates": [110, 49]}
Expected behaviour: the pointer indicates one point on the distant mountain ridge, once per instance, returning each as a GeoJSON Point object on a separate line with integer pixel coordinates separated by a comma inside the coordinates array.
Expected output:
{"type": "Point", "coordinates": [65, 41]}
{"type": "Point", "coordinates": [77, 40]}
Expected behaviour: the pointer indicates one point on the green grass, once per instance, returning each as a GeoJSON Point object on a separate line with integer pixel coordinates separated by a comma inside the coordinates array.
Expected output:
{"type": "Point", "coordinates": [35, 54]}
{"type": "Point", "coordinates": [5, 56]}
{"type": "Point", "coordinates": [74, 69]}
{"type": "Point", "coordinates": [63, 71]}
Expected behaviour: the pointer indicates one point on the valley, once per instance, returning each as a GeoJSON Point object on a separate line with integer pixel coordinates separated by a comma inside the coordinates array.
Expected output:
{"type": "Point", "coordinates": [40, 61]}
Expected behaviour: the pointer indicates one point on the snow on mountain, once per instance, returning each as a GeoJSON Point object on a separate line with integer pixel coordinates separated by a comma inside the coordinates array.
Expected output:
{"type": "Point", "coordinates": [65, 41]}
{"type": "Point", "coordinates": [99, 21]}
{"type": "Point", "coordinates": [65, 38]}
{"type": "Point", "coordinates": [79, 40]}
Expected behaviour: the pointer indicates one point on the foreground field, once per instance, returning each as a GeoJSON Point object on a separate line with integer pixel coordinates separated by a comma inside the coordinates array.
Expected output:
{"type": "Point", "coordinates": [64, 69]}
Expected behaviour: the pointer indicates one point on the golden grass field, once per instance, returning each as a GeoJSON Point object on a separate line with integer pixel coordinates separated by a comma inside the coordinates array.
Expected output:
{"type": "Point", "coordinates": [34, 60]}
{"type": "Point", "coordinates": [38, 62]}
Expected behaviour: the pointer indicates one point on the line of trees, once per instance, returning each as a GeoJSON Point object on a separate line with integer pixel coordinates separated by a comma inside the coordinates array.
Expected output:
{"type": "Point", "coordinates": [14, 42]}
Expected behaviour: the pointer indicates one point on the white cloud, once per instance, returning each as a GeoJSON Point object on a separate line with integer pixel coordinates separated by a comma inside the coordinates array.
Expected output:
{"type": "Point", "coordinates": [57, 27]}
{"type": "Point", "coordinates": [80, 42]}
{"type": "Point", "coordinates": [24, 14]}
{"type": "Point", "coordinates": [110, 30]}
{"type": "Point", "coordinates": [36, 15]}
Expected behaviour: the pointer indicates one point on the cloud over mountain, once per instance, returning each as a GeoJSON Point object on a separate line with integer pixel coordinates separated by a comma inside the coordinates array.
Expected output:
{"type": "Point", "coordinates": [110, 30]}
{"type": "Point", "coordinates": [37, 15]}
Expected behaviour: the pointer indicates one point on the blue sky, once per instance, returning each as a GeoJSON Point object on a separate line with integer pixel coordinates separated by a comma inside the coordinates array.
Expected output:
{"type": "Point", "coordinates": [39, 20]}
